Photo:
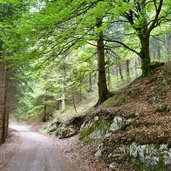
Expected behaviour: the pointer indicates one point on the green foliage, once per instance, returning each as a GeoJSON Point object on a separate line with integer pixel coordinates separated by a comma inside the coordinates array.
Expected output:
{"type": "Point", "coordinates": [53, 43]}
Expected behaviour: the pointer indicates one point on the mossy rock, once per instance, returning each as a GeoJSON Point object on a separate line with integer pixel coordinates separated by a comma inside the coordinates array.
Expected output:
{"type": "Point", "coordinates": [95, 129]}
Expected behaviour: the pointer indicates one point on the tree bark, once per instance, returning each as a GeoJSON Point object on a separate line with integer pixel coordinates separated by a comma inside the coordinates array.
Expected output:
{"type": "Point", "coordinates": [108, 73]}
{"type": "Point", "coordinates": [128, 70]}
{"type": "Point", "coordinates": [73, 99]}
{"type": "Point", "coordinates": [145, 55]}
{"type": "Point", "coordinates": [45, 115]}
{"type": "Point", "coordinates": [90, 86]}
{"type": "Point", "coordinates": [167, 45]}
{"type": "Point", "coordinates": [103, 91]}
{"type": "Point", "coordinates": [135, 67]}
{"type": "Point", "coordinates": [80, 89]}
{"type": "Point", "coordinates": [120, 71]}
{"type": "Point", "coordinates": [158, 51]}
{"type": "Point", "coordinates": [63, 104]}
{"type": "Point", "coordinates": [5, 106]}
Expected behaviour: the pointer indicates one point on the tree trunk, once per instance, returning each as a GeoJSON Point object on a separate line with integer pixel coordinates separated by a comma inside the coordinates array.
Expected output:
{"type": "Point", "coordinates": [102, 85]}
{"type": "Point", "coordinates": [45, 115]}
{"type": "Point", "coordinates": [120, 71]}
{"type": "Point", "coordinates": [167, 45]}
{"type": "Point", "coordinates": [108, 73]}
{"type": "Point", "coordinates": [135, 67]}
{"type": "Point", "coordinates": [90, 86]}
{"type": "Point", "coordinates": [73, 99]}
{"type": "Point", "coordinates": [128, 70]}
{"type": "Point", "coordinates": [145, 55]}
{"type": "Point", "coordinates": [80, 89]}
{"type": "Point", "coordinates": [5, 106]}
{"type": "Point", "coordinates": [63, 104]}
{"type": "Point", "coordinates": [117, 75]}
{"type": "Point", "coordinates": [158, 51]}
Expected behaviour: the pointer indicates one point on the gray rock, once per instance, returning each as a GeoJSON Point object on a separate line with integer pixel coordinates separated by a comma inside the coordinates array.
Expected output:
{"type": "Point", "coordinates": [108, 134]}
{"type": "Point", "coordinates": [96, 134]}
{"type": "Point", "coordinates": [113, 165]}
{"type": "Point", "coordinates": [98, 153]}
{"type": "Point", "coordinates": [151, 161]}
{"type": "Point", "coordinates": [117, 123]}
{"type": "Point", "coordinates": [149, 154]}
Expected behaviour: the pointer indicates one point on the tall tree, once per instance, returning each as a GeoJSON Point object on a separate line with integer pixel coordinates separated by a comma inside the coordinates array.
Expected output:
{"type": "Point", "coordinates": [60, 35]}
{"type": "Point", "coordinates": [143, 16]}
{"type": "Point", "coordinates": [102, 84]}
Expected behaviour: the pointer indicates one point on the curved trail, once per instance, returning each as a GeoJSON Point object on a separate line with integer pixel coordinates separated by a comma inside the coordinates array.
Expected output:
{"type": "Point", "coordinates": [36, 153]}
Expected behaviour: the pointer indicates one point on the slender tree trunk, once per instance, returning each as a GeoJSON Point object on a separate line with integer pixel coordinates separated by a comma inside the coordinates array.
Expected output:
{"type": "Point", "coordinates": [73, 99]}
{"type": "Point", "coordinates": [5, 106]}
{"type": "Point", "coordinates": [158, 51]}
{"type": "Point", "coordinates": [80, 90]}
{"type": "Point", "coordinates": [120, 71]}
{"type": "Point", "coordinates": [90, 86]}
{"type": "Point", "coordinates": [108, 72]}
{"type": "Point", "coordinates": [102, 85]}
{"type": "Point", "coordinates": [117, 76]}
{"type": "Point", "coordinates": [63, 104]}
{"type": "Point", "coordinates": [128, 70]}
{"type": "Point", "coordinates": [45, 115]}
{"type": "Point", "coordinates": [167, 45]}
{"type": "Point", "coordinates": [95, 79]}
{"type": "Point", "coordinates": [135, 67]}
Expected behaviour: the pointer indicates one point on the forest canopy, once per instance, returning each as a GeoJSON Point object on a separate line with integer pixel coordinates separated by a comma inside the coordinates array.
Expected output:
{"type": "Point", "coordinates": [62, 50]}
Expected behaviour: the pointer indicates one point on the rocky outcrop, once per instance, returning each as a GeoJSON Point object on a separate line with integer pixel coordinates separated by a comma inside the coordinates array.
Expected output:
{"type": "Point", "coordinates": [66, 129]}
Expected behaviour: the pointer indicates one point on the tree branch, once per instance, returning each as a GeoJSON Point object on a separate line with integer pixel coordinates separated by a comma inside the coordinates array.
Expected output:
{"type": "Point", "coordinates": [158, 10]}
{"type": "Point", "coordinates": [124, 45]}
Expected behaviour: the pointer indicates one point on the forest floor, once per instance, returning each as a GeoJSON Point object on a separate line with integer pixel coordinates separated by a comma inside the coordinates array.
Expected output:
{"type": "Point", "coordinates": [81, 154]}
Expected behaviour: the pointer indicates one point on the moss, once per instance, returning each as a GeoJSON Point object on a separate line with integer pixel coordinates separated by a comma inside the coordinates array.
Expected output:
{"type": "Point", "coordinates": [108, 102]}
{"type": "Point", "coordinates": [159, 80]}
{"type": "Point", "coordinates": [121, 99]}
{"type": "Point", "coordinates": [101, 125]}
{"type": "Point", "coordinates": [161, 108]}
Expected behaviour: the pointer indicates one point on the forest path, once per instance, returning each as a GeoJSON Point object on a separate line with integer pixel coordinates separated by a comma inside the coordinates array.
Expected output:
{"type": "Point", "coordinates": [36, 153]}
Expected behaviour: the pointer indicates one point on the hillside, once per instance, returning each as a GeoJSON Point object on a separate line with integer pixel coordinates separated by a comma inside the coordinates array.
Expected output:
{"type": "Point", "coordinates": [133, 127]}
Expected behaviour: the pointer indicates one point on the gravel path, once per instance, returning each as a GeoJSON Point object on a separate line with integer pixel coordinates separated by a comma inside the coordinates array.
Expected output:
{"type": "Point", "coordinates": [8, 149]}
{"type": "Point", "coordinates": [36, 153]}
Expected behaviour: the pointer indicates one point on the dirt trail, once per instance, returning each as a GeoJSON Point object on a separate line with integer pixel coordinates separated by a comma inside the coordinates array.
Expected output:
{"type": "Point", "coordinates": [36, 153]}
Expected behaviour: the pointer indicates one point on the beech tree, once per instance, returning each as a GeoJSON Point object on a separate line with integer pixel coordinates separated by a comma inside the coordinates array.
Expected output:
{"type": "Point", "coordinates": [143, 17]}
{"type": "Point", "coordinates": [64, 32]}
